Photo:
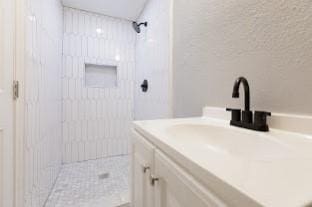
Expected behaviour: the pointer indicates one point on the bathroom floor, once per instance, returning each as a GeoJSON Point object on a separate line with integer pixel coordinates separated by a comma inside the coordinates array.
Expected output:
{"type": "Point", "coordinates": [93, 183]}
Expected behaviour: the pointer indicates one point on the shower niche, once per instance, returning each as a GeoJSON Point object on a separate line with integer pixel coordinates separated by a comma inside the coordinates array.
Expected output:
{"type": "Point", "coordinates": [100, 76]}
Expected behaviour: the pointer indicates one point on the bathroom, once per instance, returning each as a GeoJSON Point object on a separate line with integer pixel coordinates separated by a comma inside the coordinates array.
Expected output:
{"type": "Point", "coordinates": [155, 103]}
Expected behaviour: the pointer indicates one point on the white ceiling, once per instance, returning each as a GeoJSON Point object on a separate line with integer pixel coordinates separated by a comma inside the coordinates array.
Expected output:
{"type": "Point", "coordinates": [126, 9]}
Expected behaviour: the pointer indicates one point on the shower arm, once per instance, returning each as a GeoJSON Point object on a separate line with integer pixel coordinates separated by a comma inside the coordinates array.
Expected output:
{"type": "Point", "coordinates": [143, 23]}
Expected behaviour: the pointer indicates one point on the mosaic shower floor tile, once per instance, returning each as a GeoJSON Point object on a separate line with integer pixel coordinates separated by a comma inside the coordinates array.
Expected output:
{"type": "Point", "coordinates": [93, 183]}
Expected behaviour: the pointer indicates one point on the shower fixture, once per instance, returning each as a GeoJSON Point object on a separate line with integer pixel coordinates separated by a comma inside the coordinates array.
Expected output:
{"type": "Point", "coordinates": [136, 26]}
{"type": "Point", "coordinates": [144, 86]}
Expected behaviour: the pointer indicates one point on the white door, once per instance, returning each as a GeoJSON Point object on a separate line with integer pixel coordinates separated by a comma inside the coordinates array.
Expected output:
{"type": "Point", "coordinates": [6, 102]}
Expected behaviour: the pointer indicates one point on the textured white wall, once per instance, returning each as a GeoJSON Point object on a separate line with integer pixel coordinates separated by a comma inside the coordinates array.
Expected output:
{"type": "Point", "coordinates": [43, 128]}
{"type": "Point", "coordinates": [269, 42]}
{"type": "Point", "coordinates": [96, 122]}
{"type": "Point", "coordinates": [153, 62]}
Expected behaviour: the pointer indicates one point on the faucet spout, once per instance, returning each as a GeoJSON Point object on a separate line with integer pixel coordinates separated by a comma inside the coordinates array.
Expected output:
{"type": "Point", "coordinates": [235, 93]}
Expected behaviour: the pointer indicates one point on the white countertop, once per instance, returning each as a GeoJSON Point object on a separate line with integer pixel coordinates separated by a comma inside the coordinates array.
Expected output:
{"type": "Point", "coordinates": [267, 177]}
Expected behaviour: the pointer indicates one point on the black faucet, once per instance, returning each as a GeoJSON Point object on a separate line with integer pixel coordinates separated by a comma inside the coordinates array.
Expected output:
{"type": "Point", "coordinates": [260, 121]}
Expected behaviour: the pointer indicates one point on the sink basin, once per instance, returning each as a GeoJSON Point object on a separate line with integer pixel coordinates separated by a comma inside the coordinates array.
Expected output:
{"type": "Point", "coordinates": [230, 141]}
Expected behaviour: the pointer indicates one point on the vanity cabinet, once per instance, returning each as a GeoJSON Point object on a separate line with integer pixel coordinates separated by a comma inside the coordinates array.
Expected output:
{"type": "Point", "coordinates": [165, 183]}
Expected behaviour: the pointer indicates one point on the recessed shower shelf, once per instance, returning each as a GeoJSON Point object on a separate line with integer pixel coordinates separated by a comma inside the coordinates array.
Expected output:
{"type": "Point", "coordinates": [100, 76]}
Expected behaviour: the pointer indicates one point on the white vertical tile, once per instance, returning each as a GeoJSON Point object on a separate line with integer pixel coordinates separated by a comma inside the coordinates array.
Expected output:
{"type": "Point", "coordinates": [75, 148]}
{"type": "Point", "coordinates": [81, 151]}
{"type": "Point", "coordinates": [43, 82]}
{"type": "Point", "coordinates": [152, 62]}
{"type": "Point", "coordinates": [100, 111]}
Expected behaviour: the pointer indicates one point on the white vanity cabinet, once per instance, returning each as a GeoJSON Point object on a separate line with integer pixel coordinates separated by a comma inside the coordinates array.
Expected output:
{"type": "Point", "coordinates": [164, 184]}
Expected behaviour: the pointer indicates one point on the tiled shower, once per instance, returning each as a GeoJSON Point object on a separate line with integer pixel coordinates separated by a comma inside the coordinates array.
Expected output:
{"type": "Point", "coordinates": [70, 125]}
{"type": "Point", "coordinates": [96, 121]}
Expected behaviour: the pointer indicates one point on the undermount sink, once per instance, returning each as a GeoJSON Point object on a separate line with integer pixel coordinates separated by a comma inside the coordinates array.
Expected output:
{"type": "Point", "coordinates": [230, 141]}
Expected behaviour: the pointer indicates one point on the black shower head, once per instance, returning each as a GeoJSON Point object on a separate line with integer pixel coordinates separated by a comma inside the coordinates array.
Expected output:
{"type": "Point", "coordinates": [136, 26]}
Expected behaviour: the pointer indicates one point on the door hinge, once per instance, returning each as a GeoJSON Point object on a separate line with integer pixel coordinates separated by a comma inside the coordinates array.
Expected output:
{"type": "Point", "coordinates": [15, 89]}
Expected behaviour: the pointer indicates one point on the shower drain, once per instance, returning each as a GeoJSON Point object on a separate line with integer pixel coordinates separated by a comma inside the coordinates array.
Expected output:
{"type": "Point", "coordinates": [103, 176]}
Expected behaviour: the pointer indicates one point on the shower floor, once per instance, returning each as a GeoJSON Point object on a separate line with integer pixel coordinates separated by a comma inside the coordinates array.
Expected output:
{"type": "Point", "coordinates": [93, 183]}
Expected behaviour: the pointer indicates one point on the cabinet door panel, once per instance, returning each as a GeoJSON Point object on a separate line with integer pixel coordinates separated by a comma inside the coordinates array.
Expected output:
{"type": "Point", "coordinates": [176, 188]}
{"type": "Point", "coordinates": [142, 191]}
{"type": "Point", "coordinates": [142, 166]}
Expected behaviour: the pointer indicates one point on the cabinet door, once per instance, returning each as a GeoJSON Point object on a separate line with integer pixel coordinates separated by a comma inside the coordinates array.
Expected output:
{"type": "Point", "coordinates": [142, 167]}
{"type": "Point", "coordinates": [176, 188]}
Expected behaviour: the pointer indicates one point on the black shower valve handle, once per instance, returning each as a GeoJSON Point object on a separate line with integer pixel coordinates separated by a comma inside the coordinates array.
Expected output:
{"type": "Point", "coordinates": [144, 86]}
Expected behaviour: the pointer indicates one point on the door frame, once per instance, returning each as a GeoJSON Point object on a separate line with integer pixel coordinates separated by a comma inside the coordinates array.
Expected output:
{"type": "Point", "coordinates": [19, 105]}
{"type": "Point", "coordinates": [7, 157]}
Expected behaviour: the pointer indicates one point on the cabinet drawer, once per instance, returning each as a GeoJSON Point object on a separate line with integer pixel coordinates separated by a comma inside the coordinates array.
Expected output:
{"type": "Point", "coordinates": [178, 188]}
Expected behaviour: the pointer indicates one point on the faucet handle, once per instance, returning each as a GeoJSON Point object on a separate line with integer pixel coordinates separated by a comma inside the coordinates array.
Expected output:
{"type": "Point", "coordinates": [235, 115]}
{"type": "Point", "coordinates": [261, 118]}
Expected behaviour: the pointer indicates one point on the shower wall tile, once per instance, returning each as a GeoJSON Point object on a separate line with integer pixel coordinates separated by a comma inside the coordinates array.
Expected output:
{"type": "Point", "coordinates": [96, 121]}
{"type": "Point", "coordinates": [43, 98]}
{"type": "Point", "coordinates": [153, 62]}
